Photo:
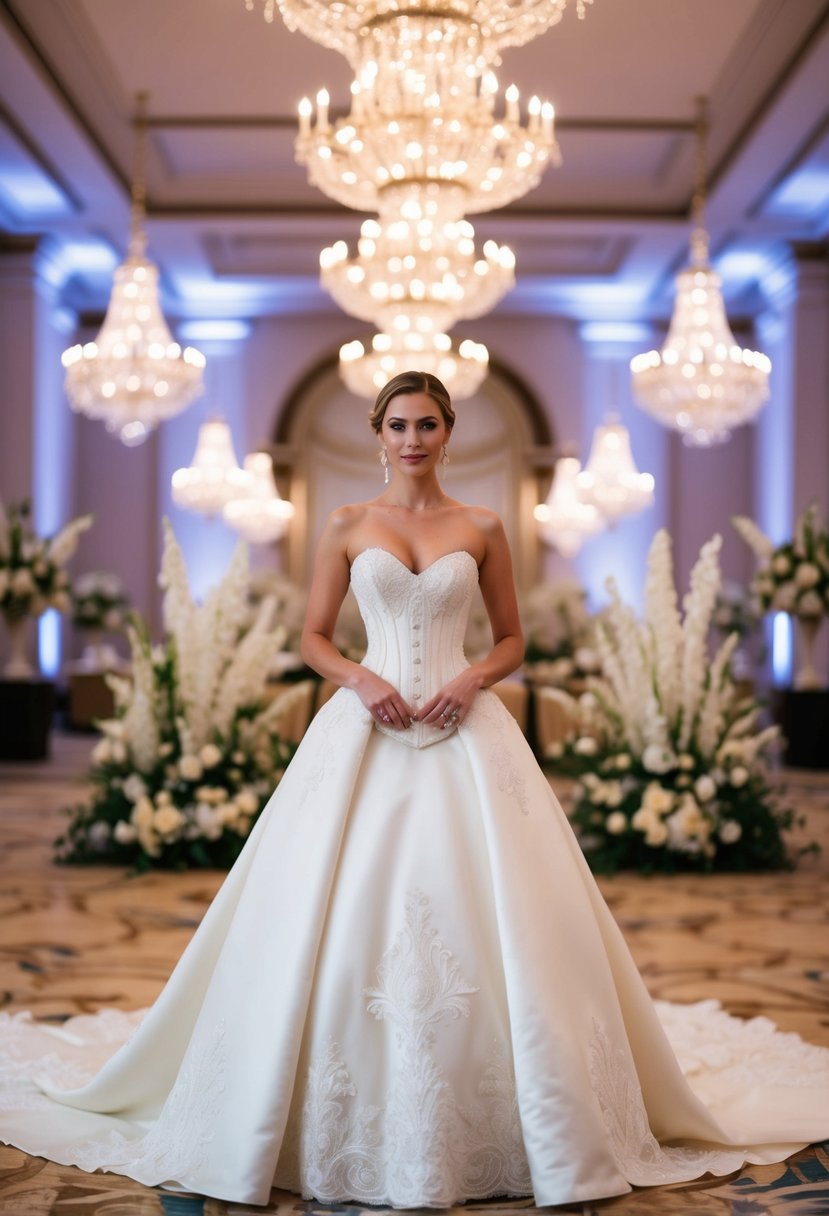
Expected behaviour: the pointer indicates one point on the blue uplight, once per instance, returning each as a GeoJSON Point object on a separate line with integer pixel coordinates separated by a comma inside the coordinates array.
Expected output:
{"type": "Point", "coordinates": [48, 642]}
{"type": "Point", "coordinates": [781, 647]}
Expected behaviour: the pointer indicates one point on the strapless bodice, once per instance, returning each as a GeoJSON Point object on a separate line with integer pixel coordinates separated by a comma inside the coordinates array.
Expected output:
{"type": "Point", "coordinates": [415, 624]}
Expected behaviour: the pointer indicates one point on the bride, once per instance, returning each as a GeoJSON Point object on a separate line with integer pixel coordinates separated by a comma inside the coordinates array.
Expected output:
{"type": "Point", "coordinates": [409, 991]}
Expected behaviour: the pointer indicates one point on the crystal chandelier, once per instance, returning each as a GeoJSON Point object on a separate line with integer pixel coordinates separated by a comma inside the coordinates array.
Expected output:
{"type": "Point", "coordinates": [411, 153]}
{"type": "Point", "coordinates": [701, 383]}
{"type": "Point", "coordinates": [462, 368]}
{"type": "Point", "coordinates": [610, 481]}
{"type": "Point", "coordinates": [423, 277]}
{"type": "Point", "coordinates": [487, 25]}
{"type": "Point", "coordinates": [564, 521]}
{"type": "Point", "coordinates": [258, 514]}
{"type": "Point", "coordinates": [133, 375]}
{"type": "Point", "coordinates": [214, 477]}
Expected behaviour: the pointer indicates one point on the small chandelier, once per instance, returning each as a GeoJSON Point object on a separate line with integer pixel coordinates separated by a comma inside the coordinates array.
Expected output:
{"type": "Point", "coordinates": [481, 27]}
{"type": "Point", "coordinates": [701, 383]}
{"type": "Point", "coordinates": [214, 477]}
{"type": "Point", "coordinates": [610, 481]}
{"type": "Point", "coordinates": [258, 514]}
{"type": "Point", "coordinates": [564, 521]}
{"type": "Point", "coordinates": [133, 375]}
{"type": "Point", "coordinates": [462, 368]}
{"type": "Point", "coordinates": [415, 153]}
{"type": "Point", "coordinates": [420, 276]}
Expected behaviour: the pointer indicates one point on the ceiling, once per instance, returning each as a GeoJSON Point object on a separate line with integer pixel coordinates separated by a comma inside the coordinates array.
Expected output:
{"type": "Point", "coordinates": [237, 230]}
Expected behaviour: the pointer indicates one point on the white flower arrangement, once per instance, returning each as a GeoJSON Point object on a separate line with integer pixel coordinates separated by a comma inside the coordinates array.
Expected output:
{"type": "Point", "coordinates": [32, 577]}
{"type": "Point", "coordinates": [670, 760]}
{"type": "Point", "coordinates": [99, 602]}
{"type": "Point", "coordinates": [558, 632]}
{"type": "Point", "coordinates": [792, 577]}
{"type": "Point", "coordinates": [191, 757]}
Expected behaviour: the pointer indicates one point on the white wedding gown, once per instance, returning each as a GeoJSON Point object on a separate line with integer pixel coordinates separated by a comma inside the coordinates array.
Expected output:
{"type": "Point", "coordinates": [409, 990]}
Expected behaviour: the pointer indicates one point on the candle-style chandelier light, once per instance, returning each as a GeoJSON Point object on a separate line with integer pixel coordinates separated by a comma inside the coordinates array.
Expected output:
{"type": "Point", "coordinates": [476, 29]}
{"type": "Point", "coordinates": [412, 153]}
{"type": "Point", "coordinates": [702, 383]}
{"type": "Point", "coordinates": [610, 481]}
{"type": "Point", "coordinates": [133, 375]}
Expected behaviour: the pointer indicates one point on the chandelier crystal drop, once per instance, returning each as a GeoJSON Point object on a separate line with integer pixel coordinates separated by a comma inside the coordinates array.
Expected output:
{"type": "Point", "coordinates": [134, 375]}
{"type": "Point", "coordinates": [259, 514]}
{"type": "Point", "coordinates": [408, 154]}
{"type": "Point", "coordinates": [701, 383]}
{"type": "Point", "coordinates": [423, 277]}
{"type": "Point", "coordinates": [564, 520]}
{"type": "Point", "coordinates": [462, 367]}
{"type": "Point", "coordinates": [610, 481]}
{"type": "Point", "coordinates": [214, 477]}
{"type": "Point", "coordinates": [487, 25]}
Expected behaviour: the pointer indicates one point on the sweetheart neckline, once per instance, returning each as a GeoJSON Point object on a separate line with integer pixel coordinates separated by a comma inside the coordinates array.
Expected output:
{"type": "Point", "coordinates": [414, 573]}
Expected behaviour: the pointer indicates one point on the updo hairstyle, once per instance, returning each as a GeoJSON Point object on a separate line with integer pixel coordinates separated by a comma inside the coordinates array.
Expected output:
{"type": "Point", "coordinates": [412, 382]}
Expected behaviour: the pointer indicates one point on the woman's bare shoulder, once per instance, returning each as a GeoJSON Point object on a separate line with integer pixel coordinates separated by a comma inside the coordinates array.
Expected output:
{"type": "Point", "coordinates": [486, 521]}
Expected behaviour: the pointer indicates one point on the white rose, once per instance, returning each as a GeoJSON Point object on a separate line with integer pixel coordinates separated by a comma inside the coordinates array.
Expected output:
{"type": "Point", "coordinates": [210, 755]}
{"type": "Point", "coordinates": [622, 761]}
{"type": "Point", "coordinates": [807, 575]}
{"type": "Point", "coordinates": [190, 767]}
{"type": "Point", "coordinates": [588, 701]}
{"type": "Point", "coordinates": [168, 821]}
{"type": "Point", "coordinates": [613, 794]}
{"type": "Point", "coordinates": [616, 823]}
{"type": "Point", "coordinates": [704, 788]}
{"type": "Point", "coordinates": [685, 762]}
{"type": "Point", "coordinates": [658, 759]}
{"type": "Point", "coordinates": [644, 819]}
{"type": "Point", "coordinates": [781, 565]}
{"type": "Point", "coordinates": [247, 801]}
{"type": "Point", "coordinates": [208, 821]}
{"type": "Point", "coordinates": [585, 746]}
{"type": "Point", "coordinates": [143, 813]}
{"type": "Point", "coordinates": [656, 835]}
{"type": "Point", "coordinates": [730, 831]}
{"type": "Point", "coordinates": [134, 788]}
{"type": "Point", "coordinates": [124, 832]}
{"type": "Point", "coordinates": [554, 750]}
{"type": "Point", "coordinates": [98, 835]}
{"type": "Point", "coordinates": [657, 799]}
{"type": "Point", "coordinates": [738, 776]}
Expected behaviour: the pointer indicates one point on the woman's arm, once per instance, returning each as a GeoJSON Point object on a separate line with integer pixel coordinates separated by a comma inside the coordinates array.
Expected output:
{"type": "Point", "coordinates": [498, 591]}
{"type": "Point", "coordinates": [328, 588]}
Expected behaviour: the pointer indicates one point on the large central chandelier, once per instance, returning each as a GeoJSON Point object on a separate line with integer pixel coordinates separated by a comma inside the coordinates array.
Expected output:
{"type": "Point", "coordinates": [701, 383]}
{"type": "Point", "coordinates": [133, 375]}
{"type": "Point", "coordinates": [415, 153]}
{"type": "Point", "coordinates": [461, 366]}
{"type": "Point", "coordinates": [422, 276]}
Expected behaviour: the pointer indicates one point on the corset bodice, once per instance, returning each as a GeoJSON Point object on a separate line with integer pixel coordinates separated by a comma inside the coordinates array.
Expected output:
{"type": "Point", "coordinates": [415, 624]}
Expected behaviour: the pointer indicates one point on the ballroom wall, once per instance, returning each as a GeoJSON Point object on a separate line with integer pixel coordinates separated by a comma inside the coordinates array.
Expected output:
{"type": "Point", "coordinates": [575, 372]}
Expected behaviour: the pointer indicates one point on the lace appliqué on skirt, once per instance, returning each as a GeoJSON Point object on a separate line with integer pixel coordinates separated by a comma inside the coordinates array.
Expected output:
{"type": "Point", "coordinates": [179, 1140]}
{"type": "Point", "coordinates": [421, 1146]}
{"type": "Point", "coordinates": [488, 708]}
{"type": "Point", "coordinates": [640, 1157]}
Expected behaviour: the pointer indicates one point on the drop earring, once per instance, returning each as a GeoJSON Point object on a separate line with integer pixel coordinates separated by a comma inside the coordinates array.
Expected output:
{"type": "Point", "coordinates": [444, 460]}
{"type": "Point", "coordinates": [384, 460]}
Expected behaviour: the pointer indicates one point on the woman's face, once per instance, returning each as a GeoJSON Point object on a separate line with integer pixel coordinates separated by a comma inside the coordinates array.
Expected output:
{"type": "Point", "coordinates": [413, 433]}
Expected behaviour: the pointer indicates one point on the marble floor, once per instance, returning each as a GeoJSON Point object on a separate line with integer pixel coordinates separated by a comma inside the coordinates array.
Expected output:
{"type": "Point", "coordinates": [75, 940]}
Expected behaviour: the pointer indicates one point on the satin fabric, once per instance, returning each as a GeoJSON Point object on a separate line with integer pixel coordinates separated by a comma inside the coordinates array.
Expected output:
{"type": "Point", "coordinates": [409, 990]}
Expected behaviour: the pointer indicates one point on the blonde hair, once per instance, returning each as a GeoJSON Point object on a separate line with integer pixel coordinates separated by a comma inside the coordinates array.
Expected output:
{"type": "Point", "coordinates": [406, 383]}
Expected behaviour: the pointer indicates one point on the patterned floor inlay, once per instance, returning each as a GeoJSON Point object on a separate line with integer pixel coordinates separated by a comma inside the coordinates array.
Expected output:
{"type": "Point", "coordinates": [75, 940]}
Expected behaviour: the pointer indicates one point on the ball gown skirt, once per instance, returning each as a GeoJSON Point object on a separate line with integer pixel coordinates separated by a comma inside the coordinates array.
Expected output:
{"type": "Point", "coordinates": [408, 990]}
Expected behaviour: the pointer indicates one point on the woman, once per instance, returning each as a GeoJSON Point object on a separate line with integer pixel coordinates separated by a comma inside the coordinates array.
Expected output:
{"type": "Point", "coordinates": [409, 990]}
